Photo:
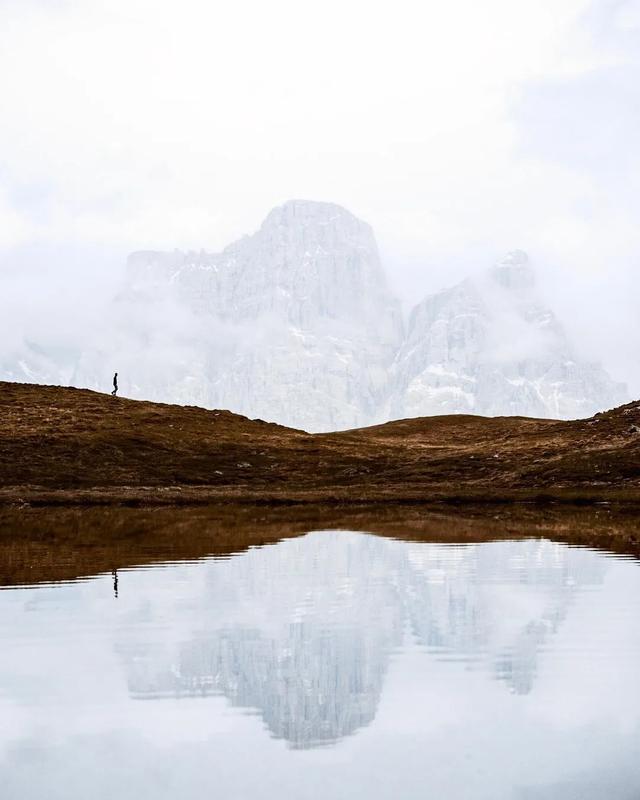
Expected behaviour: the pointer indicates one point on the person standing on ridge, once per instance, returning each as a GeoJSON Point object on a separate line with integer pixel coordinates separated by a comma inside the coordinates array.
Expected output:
{"type": "Point", "coordinates": [115, 385]}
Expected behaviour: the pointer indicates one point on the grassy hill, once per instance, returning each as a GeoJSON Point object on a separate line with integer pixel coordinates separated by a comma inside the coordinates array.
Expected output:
{"type": "Point", "coordinates": [64, 445]}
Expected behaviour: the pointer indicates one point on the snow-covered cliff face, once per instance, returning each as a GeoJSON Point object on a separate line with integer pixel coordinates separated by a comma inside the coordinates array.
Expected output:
{"type": "Point", "coordinates": [488, 346]}
{"type": "Point", "coordinates": [308, 262]}
{"type": "Point", "coordinates": [296, 324]}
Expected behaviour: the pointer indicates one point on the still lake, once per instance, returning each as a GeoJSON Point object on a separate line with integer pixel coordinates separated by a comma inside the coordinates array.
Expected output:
{"type": "Point", "coordinates": [337, 664]}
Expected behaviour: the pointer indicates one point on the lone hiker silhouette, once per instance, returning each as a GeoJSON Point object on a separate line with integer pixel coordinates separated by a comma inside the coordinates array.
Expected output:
{"type": "Point", "coordinates": [115, 385]}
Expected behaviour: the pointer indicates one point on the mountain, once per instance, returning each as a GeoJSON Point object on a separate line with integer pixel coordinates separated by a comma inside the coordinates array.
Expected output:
{"type": "Point", "coordinates": [293, 324]}
{"type": "Point", "coordinates": [489, 346]}
{"type": "Point", "coordinates": [296, 324]}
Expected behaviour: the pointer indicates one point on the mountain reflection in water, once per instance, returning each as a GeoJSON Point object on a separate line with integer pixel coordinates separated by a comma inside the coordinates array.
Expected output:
{"type": "Point", "coordinates": [327, 635]}
{"type": "Point", "coordinates": [303, 631]}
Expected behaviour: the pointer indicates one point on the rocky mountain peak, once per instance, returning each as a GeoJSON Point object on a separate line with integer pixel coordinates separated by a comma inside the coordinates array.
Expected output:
{"type": "Point", "coordinates": [323, 243]}
{"type": "Point", "coordinates": [514, 271]}
{"type": "Point", "coordinates": [311, 213]}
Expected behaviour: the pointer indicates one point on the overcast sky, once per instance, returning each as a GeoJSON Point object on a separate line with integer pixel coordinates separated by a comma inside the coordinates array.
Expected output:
{"type": "Point", "coordinates": [458, 129]}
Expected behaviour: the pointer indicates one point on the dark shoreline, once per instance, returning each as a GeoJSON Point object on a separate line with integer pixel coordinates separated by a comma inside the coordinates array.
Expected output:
{"type": "Point", "coordinates": [178, 496]}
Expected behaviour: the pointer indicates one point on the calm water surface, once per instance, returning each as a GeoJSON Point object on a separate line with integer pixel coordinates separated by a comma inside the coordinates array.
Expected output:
{"type": "Point", "coordinates": [334, 665]}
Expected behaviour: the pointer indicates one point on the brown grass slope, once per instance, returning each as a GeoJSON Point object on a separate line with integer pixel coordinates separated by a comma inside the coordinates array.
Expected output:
{"type": "Point", "coordinates": [73, 445]}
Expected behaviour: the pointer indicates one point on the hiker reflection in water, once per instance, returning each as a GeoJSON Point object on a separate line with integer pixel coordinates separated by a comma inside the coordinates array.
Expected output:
{"type": "Point", "coordinates": [115, 582]}
{"type": "Point", "coordinates": [115, 385]}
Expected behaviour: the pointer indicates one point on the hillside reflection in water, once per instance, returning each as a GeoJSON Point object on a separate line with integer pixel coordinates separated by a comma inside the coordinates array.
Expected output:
{"type": "Point", "coordinates": [337, 664]}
